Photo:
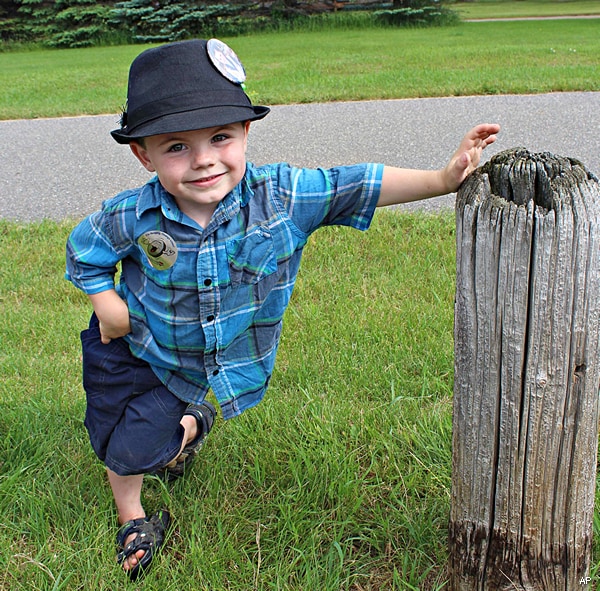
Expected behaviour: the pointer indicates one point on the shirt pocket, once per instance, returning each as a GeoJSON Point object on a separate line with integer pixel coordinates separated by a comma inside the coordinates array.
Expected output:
{"type": "Point", "coordinates": [251, 257]}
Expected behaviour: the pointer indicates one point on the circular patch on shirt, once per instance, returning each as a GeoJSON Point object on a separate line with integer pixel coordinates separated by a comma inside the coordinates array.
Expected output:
{"type": "Point", "coordinates": [226, 61]}
{"type": "Point", "coordinates": [160, 249]}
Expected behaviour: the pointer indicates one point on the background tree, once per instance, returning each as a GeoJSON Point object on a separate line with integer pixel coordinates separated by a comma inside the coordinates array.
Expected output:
{"type": "Point", "coordinates": [80, 23]}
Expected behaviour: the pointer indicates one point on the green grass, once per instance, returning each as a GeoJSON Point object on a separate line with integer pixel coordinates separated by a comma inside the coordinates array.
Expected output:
{"type": "Point", "coordinates": [340, 477]}
{"type": "Point", "coordinates": [525, 8]}
{"type": "Point", "coordinates": [472, 58]}
{"type": "Point", "coordinates": [339, 480]}
{"type": "Point", "coordinates": [468, 59]}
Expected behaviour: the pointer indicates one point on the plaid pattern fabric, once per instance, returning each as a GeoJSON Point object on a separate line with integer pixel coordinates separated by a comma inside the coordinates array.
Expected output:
{"type": "Point", "coordinates": [213, 318]}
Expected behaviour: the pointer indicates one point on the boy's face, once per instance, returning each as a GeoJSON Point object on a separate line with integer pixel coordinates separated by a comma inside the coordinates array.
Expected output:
{"type": "Point", "coordinates": [199, 168]}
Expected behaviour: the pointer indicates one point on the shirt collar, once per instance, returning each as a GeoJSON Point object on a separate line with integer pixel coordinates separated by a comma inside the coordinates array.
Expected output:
{"type": "Point", "coordinates": [234, 201]}
{"type": "Point", "coordinates": [151, 196]}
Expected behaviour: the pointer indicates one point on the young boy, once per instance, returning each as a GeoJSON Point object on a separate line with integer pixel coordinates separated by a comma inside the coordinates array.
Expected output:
{"type": "Point", "coordinates": [209, 252]}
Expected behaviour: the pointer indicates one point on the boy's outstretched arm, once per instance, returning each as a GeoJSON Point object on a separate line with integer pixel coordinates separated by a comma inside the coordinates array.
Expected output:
{"type": "Point", "coordinates": [401, 185]}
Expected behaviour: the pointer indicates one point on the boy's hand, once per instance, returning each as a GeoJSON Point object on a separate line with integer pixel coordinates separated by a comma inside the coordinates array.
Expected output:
{"type": "Point", "coordinates": [114, 328]}
{"type": "Point", "coordinates": [466, 159]}
{"type": "Point", "coordinates": [401, 185]}
{"type": "Point", "coordinates": [113, 315]}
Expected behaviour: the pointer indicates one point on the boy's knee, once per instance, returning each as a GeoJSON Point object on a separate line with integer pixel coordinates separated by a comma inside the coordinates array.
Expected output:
{"type": "Point", "coordinates": [125, 460]}
{"type": "Point", "coordinates": [143, 445]}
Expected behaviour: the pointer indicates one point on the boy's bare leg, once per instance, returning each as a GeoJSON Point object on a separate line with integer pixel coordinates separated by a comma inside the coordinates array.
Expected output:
{"type": "Point", "coordinates": [127, 491]}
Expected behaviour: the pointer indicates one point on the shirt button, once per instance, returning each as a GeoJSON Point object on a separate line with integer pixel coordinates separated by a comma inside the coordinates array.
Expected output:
{"type": "Point", "coordinates": [210, 318]}
{"type": "Point", "coordinates": [215, 372]}
{"type": "Point", "coordinates": [207, 282]}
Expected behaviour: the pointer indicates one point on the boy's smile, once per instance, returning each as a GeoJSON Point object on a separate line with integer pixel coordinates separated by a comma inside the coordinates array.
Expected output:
{"type": "Point", "coordinates": [199, 168]}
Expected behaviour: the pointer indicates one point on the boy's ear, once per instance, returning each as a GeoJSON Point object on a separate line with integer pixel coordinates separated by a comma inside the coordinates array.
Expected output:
{"type": "Point", "coordinates": [142, 155]}
{"type": "Point", "coordinates": [246, 130]}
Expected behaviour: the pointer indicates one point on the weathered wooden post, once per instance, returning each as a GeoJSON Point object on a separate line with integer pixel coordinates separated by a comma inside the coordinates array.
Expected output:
{"type": "Point", "coordinates": [527, 316]}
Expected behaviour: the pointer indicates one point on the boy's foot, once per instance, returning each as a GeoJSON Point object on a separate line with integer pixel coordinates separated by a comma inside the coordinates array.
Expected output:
{"type": "Point", "coordinates": [205, 414]}
{"type": "Point", "coordinates": [149, 534]}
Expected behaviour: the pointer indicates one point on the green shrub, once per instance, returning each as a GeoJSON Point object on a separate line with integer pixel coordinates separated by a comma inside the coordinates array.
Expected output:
{"type": "Point", "coordinates": [171, 21]}
{"type": "Point", "coordinates": [81, 23]}
{"type": "Point", "coordinates": [64, 23]}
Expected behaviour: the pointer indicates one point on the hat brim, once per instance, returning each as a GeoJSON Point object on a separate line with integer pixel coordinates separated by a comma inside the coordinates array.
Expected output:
{"type": "Point", "coordinates": [188, 121]}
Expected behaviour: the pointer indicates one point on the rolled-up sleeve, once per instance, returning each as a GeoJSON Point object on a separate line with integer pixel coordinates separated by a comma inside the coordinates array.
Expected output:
{"type": "Point", "coordinates": [91, 258]}
{"type": "Point", "coordinates": [345, 195]}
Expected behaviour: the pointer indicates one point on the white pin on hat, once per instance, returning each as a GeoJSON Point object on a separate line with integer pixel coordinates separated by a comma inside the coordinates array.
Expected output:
{"type": "Point", "coordinates": [226, 61]}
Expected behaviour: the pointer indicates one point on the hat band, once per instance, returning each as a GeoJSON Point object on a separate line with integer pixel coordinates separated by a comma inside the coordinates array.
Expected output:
{"type": "Point", "coordinates": [183, 103]}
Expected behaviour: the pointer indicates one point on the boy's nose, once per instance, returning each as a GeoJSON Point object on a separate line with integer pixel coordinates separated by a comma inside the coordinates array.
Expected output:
{"type": "Point", "coordinates": [203, 157]}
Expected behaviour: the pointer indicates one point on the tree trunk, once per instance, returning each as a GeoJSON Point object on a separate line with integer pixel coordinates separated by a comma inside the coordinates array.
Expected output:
{"type": "Point", "coordinates": [527, 373]}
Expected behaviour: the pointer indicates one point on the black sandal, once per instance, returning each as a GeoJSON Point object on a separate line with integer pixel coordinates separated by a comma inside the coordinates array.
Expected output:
{"type": "Point", "coordinates": [205, 414]}
{"type": "Point", "coordinates": [150, 536]}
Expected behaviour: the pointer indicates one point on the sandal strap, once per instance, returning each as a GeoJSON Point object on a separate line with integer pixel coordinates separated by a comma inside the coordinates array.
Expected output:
{"type": "Point", "coordinates": [205, 414]}
{"type": "Point", "coordinates": [150, 535]}
{"type": "Point", "coordinates": [129, 527]}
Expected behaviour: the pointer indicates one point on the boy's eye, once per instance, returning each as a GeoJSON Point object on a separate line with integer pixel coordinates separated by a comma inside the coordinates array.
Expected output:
{"type": "Point", "coordinates": [176, 148]}
{"type": "Point", "coordinates": [219, 137]}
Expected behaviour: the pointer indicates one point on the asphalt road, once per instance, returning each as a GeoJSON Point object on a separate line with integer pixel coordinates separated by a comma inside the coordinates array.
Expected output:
{"type": "Point", "coordinates": [64, 168]}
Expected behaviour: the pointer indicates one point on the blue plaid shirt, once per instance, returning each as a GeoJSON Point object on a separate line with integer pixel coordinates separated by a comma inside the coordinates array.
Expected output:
{"type": "Point", "coordinates": [206, 304]}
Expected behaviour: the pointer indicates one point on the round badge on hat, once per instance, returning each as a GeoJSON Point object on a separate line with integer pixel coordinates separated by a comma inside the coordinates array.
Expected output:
{"type": "Point", "coordinates": [160, 249]}
{"type": "Point", "coordinates": [226, 61]}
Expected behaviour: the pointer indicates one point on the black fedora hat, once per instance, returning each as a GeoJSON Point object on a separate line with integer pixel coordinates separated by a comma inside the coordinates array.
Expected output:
{"type": "Point", "coordinates": [184, 86]}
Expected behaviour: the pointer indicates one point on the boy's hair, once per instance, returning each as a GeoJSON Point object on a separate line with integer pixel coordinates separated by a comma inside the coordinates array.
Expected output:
{"type": "Point", "coordinates": [184, 86]}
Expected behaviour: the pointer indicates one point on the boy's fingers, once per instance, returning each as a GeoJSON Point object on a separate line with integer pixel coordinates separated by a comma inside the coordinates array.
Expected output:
{"type": "Point", "coordinates": [485, 130]}
{"type": "Point", "coordinates": [103, 338]}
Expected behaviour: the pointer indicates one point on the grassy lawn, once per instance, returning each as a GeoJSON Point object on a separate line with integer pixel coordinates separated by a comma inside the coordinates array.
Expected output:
{"type": "Point", "coordinates": [340, 479]}
{"type": "Point", "coordinates": [468, 59]}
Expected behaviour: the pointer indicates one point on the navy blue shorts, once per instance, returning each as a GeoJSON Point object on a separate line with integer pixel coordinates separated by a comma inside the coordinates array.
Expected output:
{"type": "Point", "coordinates": [132, 419]}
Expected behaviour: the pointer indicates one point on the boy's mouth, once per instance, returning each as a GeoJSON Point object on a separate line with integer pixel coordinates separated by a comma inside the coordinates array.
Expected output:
{"type": "Point", "coordinates": [207, 180]}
